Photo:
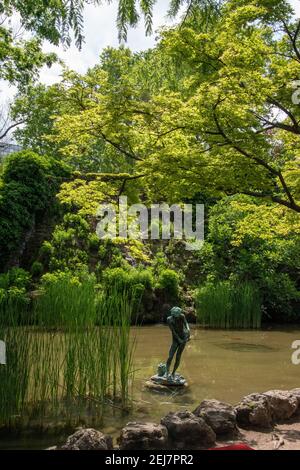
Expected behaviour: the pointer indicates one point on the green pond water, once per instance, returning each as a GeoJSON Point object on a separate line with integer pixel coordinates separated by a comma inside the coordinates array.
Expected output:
{"type": "Point", "coordinates": [225, 365]}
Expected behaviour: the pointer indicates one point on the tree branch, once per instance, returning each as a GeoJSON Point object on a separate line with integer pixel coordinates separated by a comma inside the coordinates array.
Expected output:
{"type": "Point", "coordinates": [12, 126]}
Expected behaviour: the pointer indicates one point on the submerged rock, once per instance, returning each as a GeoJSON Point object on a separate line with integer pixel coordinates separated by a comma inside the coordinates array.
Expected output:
{"type": "Point", "coordinates": [88, 439]}
{"type": "Point", "coordinates": [254, 410]}
{"type": "Point", "coordinates": [221, 417]}
{"type": "Point", "coordinates": [143, 436]}
{"type": "Point", "coordinates": [188, 431]}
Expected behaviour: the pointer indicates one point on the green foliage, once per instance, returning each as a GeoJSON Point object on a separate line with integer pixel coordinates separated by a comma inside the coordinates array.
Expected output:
{"type": "Point", "coordinates": [259, 243]}
{"type": "Point", "coordinates": [128, 278]}
{"type": "Point", "coordinates": [169, 280]}
{"type": "Point", "coordinates": [15, 277]}
{"type": "Point", "coordinates": [80, 368]}
{"type": "Point", "coordinates": [20, 61]}
{"type": "Point", "coordinates": [29, 184]}
{"type": "Point", "coordinates": [49, 20]}
{"type": "Point", "coordinates": [14, 299]}
{"type": "Point", "coordinates": [37, 269]}
{"type": "Point", "coordinates": [66, 300]}
{"type": "Point", "coordinates": [46, 251]}
{"type": "Point", "coordinates": [217, 131]}
{"type": "Point", "coordinates": [227, 305]}
{"type": "Point", "coordinates": [69, 247]}
{"type": "Point", "coordinates": [94, 242]}
{"type": "Point", "coordinates": [196, 118]}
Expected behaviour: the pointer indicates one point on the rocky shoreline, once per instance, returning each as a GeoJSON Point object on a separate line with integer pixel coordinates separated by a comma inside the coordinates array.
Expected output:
{"type": "Point", "coordinates": [255, 420]}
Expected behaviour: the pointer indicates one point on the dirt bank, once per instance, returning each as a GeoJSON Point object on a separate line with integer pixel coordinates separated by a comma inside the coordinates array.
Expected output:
{"type": "Point", "coordinates": [284, 436]}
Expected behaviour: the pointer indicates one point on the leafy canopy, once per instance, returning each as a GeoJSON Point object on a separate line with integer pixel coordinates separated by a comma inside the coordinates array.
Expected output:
{"type": "Point", "coordinates": [207, 112]}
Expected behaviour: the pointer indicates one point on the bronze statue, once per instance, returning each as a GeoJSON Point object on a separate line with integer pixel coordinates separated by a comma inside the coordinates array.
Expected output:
{"type": "Point", "coordinates": [180, 336]}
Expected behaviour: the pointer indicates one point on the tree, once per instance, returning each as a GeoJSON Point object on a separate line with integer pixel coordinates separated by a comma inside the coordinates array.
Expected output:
{"type": "Point", "coordinates": [20, 60]}
{"type": "Point", "coordinates": [57, 20]}
{"type": "Point", "coordinates": [228, 126]}
{"type": "Point", "coordinates": [240, 124]}
{"type": "Point", "coordinates": [128, 12]}
{"type": "Point", "coordinates": [75, 99]}
{"type": "Point", "coordinates": [253, 242]}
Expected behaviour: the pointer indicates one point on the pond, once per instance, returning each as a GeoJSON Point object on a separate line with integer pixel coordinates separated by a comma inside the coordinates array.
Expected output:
{"type": "Point", "coordinates": [220, 364]}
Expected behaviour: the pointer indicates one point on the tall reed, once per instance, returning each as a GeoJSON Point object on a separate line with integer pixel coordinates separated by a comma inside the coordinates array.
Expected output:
{"type": "Point", "coordinates": [75, 359]}
{"type": "Point", "coordinates": [228, 305]}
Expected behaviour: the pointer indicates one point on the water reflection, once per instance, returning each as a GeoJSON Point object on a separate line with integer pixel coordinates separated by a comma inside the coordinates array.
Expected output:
{"type": "Point", "coordinates": [246, 347]}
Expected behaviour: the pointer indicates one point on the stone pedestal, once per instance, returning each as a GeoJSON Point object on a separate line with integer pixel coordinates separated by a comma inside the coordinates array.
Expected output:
{"type": "Point", "coordinates": [177, 381]}
{"type": "Point", "coordinates": [164, 384]}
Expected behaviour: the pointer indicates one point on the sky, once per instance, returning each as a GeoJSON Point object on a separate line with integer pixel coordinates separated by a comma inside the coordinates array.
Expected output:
{"type": "Point", "coordinates": [100, 31]}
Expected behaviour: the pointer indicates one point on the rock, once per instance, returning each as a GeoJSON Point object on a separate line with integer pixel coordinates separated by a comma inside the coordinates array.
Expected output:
{"type": "Point", "coordinates": [88, 439]}
{"type": "Point", "coordinates": [165, 389]}
{"type": "Point", "coordinates": [254, 410]}
{"type": "Point", "coordinates": [143, 436]}
{"type": "Point", "coordinates": [296, 393]}
{"type": "Point", "coordinates": [283, 404]}
{"type": "Point", "coordinates": [188, 431]}
{"type": "Point", "coordinates": [220, 416]}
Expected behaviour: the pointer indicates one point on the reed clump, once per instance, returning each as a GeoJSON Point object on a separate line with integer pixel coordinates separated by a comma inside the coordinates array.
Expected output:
{"type": "Point", "coordinates": [229, 305]}
{"type": "Point", "coordinates": [72, 361]}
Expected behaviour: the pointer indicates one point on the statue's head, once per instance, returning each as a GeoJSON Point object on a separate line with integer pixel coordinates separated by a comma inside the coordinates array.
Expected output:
{"type": "Point", "coordinates": [176, 311]}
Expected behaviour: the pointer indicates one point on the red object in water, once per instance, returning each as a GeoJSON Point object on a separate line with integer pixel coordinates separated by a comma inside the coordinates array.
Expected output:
{"type": "Point", "coordinates": [233, 447]}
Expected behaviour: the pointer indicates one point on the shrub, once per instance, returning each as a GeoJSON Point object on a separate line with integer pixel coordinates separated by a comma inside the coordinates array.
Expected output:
{"type": "Point", "coordinates": [37, 269]}
{"type": "Point", "coordinates": [93, 242]}
{"type": "Point", "coordinates": [15, 277]}
{"type": "Point", "coordinates": [169, 281]}
{"type": "Point", "coordinates": [128, 278]}
{"type": "Point", "coordinates": [102, 252]}
{"type": "Point", "coordinates": [46, 251]}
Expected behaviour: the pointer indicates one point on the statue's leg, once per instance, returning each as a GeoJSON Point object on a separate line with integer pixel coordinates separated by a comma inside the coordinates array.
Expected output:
{"type": "Point", "coordinates": [178, 357]}
{"type": "Point", "coordinates": [172, 352]}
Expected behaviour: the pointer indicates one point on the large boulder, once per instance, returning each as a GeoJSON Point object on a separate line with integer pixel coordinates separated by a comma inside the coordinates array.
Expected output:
{"type": "Point", "coordinates": [188, 431]}
{"type": "Point", "coordinates": [221, 417]}
{"type": "Point", "coordinates": [254, 410]}
{"type": "Point", "coordinates": [88, 439]}
{"type": "Point", "coordinates": [296, 393]}
{"type": "Point", "coordinates": [143, 436]}
{"type": "Point", "coordinates": [283, 404]}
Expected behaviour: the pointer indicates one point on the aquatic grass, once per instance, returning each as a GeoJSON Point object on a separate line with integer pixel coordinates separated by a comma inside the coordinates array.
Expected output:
{"type": "Point", "coordinates": [228, 305]}
{"type": "Point", "coordinates": [66, 302]}
{"type": "Point", "coordinates": [73, 362]}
